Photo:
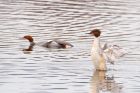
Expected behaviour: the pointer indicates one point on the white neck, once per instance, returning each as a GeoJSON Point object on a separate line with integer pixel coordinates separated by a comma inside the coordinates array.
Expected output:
{"type": "Point", "coordinates": [32, 43]}
{"type": "Point", "coordinates": [97, 55]}
{"type": "Point", "coordinates": [96, 45]}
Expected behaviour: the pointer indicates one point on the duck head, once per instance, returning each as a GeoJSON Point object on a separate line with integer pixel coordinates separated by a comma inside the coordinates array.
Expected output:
{"type": "Point", "coordinates": [30, 39]}
{"type": "Point", "coordinates": [95, 32]}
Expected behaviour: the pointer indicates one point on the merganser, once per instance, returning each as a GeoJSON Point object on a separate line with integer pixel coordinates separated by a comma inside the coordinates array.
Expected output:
{"type": "Point", "coordinates": [101, 55]}
{"type": "Point", "coordinates": [51, 44]}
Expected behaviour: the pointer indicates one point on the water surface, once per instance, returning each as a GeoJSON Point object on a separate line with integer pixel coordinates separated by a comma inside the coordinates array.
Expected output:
{"type": "Point", "coordinates": [67, 70]}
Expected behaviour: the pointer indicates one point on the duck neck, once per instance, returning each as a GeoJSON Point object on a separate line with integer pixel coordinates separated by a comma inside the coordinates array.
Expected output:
{"type": "Point", "coordinates": [96, 45]}
{"type": "Point", "coordinates": [32, 43]}
{"type": "Point", "coordinates": [97, 53]}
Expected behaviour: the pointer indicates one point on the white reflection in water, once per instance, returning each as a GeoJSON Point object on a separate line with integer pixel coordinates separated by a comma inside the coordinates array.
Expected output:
{"type": "Point", "coordinates": [101, 82]}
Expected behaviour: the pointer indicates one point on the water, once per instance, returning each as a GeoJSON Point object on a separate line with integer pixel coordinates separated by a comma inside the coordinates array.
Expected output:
{"type": "Point", "coordinates": [67, 70]}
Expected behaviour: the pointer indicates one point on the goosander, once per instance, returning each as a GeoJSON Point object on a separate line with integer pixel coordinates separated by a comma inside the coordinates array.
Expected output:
{"type": "Point", "coordinates": [51, 44]}
{"type": "Point", "coordinates": [107, 53]}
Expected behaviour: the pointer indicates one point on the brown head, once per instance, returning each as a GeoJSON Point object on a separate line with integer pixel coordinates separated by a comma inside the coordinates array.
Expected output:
{"type": "Point", "coordinates": [28, 37]}
{"type": "Point", "coordinates": [95, 32]}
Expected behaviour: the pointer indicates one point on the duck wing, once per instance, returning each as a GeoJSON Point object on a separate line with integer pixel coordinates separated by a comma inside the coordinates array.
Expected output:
{"type": "Point", "coordinates": [113, 52]}
{"type": "Point", "coordinates": [63, 43]}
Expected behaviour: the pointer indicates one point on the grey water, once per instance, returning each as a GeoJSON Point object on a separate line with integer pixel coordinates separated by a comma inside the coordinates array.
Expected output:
{"type": "Point", "coordinates": [68, 70]}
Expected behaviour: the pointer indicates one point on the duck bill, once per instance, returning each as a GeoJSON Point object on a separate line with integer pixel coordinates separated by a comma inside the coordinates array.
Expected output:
{"type": "Point", "coordinates": [87, 33]}
{"type": "Point", "coordinates": [22, 38]}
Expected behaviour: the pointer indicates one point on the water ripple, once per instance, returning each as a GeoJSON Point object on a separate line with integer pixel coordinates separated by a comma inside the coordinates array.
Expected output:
{"type": "Point", "coordinates": [68, 70]}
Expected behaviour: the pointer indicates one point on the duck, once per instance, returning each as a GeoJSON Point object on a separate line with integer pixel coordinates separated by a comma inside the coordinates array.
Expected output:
{"type": "Point", "coordinates": [102, 54]}
{"type": "Point", "coordinates": [50, 44]}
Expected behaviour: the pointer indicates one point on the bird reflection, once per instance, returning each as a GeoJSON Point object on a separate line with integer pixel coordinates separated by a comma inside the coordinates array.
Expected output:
{"type": "Point", "coordinates": [28, 50]}
{"type": "Point", "coordinates": [102, 83]}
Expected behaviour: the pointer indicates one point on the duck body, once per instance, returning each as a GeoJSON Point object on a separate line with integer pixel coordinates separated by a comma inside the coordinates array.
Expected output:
{"type": "Point", "coordinates": [57, 44]}
{"type": "Point", "coordinates": [50, 44]}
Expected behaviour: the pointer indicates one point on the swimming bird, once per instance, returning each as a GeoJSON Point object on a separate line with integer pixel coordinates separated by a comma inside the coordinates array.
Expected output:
{"type": "Point", "coordinates": [51, 44]}
{"type": "Point", "coordinates": [108, 53]}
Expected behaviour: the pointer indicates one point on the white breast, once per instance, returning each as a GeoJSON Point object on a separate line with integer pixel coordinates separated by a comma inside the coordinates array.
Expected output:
{"type": "Point", "coordinates": [97, 55]}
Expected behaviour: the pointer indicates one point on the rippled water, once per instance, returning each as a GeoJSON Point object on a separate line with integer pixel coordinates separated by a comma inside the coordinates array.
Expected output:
{"type": "Point", "coordinates": [67, 70]}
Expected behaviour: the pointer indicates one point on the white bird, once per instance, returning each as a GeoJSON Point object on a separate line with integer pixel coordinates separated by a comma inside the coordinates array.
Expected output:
{"type": "Point", "coordinates": [107, 53]}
